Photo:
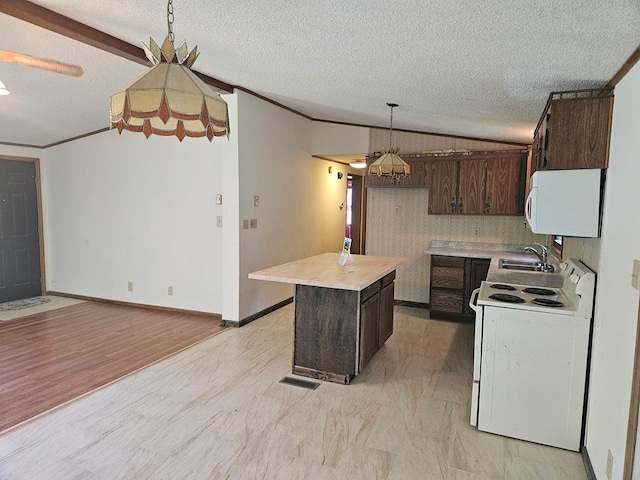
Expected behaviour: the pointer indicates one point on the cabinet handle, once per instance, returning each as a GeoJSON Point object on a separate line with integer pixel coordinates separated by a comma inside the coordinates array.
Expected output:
{"type": "Point", "coordinates": [453, 205]}
{"type": "Point", "coordinates": [486, 207]}
{"type": "Point", "coordinates": [460, 205]}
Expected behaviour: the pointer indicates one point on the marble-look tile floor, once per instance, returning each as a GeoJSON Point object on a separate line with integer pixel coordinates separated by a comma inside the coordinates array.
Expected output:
{"type": "Point", "coordinates": [218, 411]}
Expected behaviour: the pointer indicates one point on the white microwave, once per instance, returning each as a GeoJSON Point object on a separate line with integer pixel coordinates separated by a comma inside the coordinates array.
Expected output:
{"type": "Point", "coordinates": [565, 202]}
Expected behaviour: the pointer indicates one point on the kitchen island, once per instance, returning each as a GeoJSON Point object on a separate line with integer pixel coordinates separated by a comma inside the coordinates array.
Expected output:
{"type": "Point", "coordinates": [343, 314]}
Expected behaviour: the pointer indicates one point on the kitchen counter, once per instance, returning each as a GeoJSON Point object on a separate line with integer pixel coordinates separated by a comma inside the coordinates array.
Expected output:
{"type": "Point", "coordinates": [343, 314]}
{"type": "Point", "coordinates": [495, 252]}
{"type": "Point", "coordinates": [323, 271]}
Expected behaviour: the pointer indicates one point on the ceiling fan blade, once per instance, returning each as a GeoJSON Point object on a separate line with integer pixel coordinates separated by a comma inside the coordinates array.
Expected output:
{"type": "Point", "coordinates": [41, 63]}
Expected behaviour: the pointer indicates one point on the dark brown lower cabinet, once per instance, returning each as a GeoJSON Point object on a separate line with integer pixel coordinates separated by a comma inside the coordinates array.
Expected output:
{"type": "Point", "coordinates": [385, 328]}
{"type": "Point", "coordinates": [369, 320]}
{"type": "Point", "coordinates": [337, 332]}
{"type": "Point", "coordinates": [452, 281]}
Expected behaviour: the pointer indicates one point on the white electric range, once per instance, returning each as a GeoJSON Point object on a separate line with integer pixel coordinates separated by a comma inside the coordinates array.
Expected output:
{"type": "Point", "coordinates": [530, 358]}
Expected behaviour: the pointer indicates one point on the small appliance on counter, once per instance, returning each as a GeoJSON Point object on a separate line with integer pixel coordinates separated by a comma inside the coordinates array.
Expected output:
{"type": "Point", "coordinates": [530, 358]}
{"type": "Point", "coordinates": [565, 202]}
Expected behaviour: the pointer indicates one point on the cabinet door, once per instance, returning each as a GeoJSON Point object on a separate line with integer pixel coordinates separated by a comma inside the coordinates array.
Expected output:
{"type": "Point", "coordinates": [369, 316]}
{"type": "Point", "coordinates": [443, 195]}
{"type": "Point", "coordinates": [471, 186]}
{"type": "Point", "coordinates": [385, 327]}
{"type": "Point", "coordinates": [536, 152]}
{"type": "Point", "coordinates": [579, 133]}
{"type": "Point", "coordinates": [478, 270]}
{"type": "Point", "coordinates": [505, 186]}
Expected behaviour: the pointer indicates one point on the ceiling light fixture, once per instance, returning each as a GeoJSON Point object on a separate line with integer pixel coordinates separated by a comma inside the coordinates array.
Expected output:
{"type": "Point", "coordinates": [390, 164]}
{"type": "Point", "coordinates": [358, 164]}
{"type": "Point", "coordinates": [170, 99]}
{"type": "Point", "coordinates": [3, 89]}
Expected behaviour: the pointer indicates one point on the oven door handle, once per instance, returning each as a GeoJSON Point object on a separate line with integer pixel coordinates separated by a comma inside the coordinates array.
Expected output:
{"type": "Point", "coordinates": [473, 300]}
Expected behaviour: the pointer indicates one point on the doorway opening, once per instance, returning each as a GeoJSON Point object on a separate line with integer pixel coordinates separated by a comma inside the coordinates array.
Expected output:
{"type": "Point", "coordinates": [355, 212]}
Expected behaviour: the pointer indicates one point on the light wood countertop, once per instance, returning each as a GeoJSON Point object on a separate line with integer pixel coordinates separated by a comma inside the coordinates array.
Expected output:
{"type": "Point", "coordinates": [323, 271]}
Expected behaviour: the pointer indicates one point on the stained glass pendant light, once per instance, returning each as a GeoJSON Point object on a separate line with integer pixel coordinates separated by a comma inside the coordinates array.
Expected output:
{"type": "Point", "coordinates": [390, 164]}
{"type": "Point", "coordinates": [170, 99]}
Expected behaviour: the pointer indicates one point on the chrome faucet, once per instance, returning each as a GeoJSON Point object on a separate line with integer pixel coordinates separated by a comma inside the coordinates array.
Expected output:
{"type": "Point", "coordinates": [542, 256]}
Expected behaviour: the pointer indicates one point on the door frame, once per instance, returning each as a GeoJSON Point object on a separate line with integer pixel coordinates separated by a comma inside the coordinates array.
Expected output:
{"type": "Point", "coordinates": [36, 162]}
{"type": "Point", "coordinates": [357, 203]}
{"type": "Point", "coordinates": [634, 405]}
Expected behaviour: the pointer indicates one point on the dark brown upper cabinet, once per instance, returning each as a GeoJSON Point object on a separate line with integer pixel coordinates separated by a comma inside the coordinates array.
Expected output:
{"type": "Point", "coordinates": [574, 131]}
{"type": "Point", "coordinates": [483, 183]}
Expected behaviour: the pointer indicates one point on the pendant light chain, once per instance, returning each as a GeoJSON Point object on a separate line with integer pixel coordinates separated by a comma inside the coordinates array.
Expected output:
{"type": "Point", "coordinates": [391, 129]}
{"type": "Point", "coordinates": [170, 20]}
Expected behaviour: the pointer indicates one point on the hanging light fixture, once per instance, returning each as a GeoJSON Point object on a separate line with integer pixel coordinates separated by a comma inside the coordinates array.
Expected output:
{"type": "Point", "coordinates": [170, 99]}
{"type": "Point", "coordinates": [3, 89]}
{"type": "Point", "coordinates": [390, 164]}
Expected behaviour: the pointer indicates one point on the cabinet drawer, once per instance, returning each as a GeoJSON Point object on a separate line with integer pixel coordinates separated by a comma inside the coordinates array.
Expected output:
{"type": "Point", "coordinates": [369, 291]}
{"type": "Point", "coordinates": [451, 302]}
{"type": "Point", "coordinates": [447, 277]}
{"type": "Point", "coordinates": [443, 261]}
{"type": "Point", "coordinates": [388, 278]}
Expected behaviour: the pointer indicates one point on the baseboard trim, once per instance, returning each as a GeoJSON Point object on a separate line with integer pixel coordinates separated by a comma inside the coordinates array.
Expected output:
{"type": "Point", "coordinates": [591, 475]}
{"type": "Point", "coordinates": [407, 303]}
{"type": "Point", "coordinates": [255, 316]}
{"type": "Point", "coordinates": [213, 316]}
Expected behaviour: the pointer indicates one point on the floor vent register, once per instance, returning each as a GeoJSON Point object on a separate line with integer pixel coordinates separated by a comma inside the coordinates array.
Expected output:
{"type": "Point", "coordinates": [300, 383]}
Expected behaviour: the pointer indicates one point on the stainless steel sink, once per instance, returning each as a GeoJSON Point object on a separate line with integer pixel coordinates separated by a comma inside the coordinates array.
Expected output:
{"type": "Point", "coordinates": [527, 265]}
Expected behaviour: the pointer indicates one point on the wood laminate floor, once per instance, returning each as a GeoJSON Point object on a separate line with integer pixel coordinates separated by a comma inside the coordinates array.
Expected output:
{"type": "Point", "coordinates": [218, 411]}
{"type": "Point", "coordinates": [50, 358]}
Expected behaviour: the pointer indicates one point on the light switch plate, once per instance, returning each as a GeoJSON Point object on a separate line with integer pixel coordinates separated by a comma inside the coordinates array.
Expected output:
{"type": "Point", "coordinates": [253, 223]}
{"type": "Point", "coordinates": [245, 224]}
{"type": "Point", "coordinates": [219, 220]}
{"type": "Point", "coordinates": [635, 276]}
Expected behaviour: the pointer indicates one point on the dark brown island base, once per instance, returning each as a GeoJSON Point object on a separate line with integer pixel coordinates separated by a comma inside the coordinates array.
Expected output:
{"type": "Point", "coordinates": [343, 314]}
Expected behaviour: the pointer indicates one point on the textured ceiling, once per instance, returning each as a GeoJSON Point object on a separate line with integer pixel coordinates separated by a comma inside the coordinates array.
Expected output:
{"type": "Point", "coordinates": [468, 68]}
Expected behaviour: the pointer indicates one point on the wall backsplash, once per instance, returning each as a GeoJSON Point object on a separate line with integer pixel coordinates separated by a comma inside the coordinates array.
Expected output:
{"type": "Point", "coordinates": [587, 250]}
{"type": "Point", "coordinates": [398, 225]}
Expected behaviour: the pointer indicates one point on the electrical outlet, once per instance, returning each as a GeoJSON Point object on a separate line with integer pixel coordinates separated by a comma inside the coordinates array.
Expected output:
{"type": "Point", "coordinates": [253, 223]}
{"type": "Point", "coordinates": [245, 224]}
{"type": "Point", "coordinates": [397, 210]}
{"type": "Point", "coordinates": [130, 286]}
{"type": "Point", "coordinates": [476, 231]}
{"type": "Point", "coordinates": [169, 290]}
{"type": "Point", "coordinates": [218, 199]}
{"type": "Point", "coordinates": [219, 221]}
{"type": "Point", "coordinates": [609, 465]}
{"type": "Point", "coordinates": [256, 201]}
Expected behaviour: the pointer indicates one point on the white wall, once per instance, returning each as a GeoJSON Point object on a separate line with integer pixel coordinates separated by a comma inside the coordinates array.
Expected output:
{"type": "Point", "coordinates": [616, 312]}
{"type": "Point", "coordinates": [299, 212]}
{"type": "Point", "coordinates": [231, 217]}
{"type": "Point", "coordinates": [15, 151]}
{"type": "Point", "coordinates": [332, 139]}
{"type": "Point", "coordinates": [121, 208]}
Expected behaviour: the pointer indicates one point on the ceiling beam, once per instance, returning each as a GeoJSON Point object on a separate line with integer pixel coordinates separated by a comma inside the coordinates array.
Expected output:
{"type": "Point", "coordinates": [50, 20]}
